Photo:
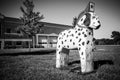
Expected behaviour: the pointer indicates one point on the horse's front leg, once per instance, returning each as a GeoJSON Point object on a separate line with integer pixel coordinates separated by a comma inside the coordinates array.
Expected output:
{"type": "Point", "coordinates": [86, 59]}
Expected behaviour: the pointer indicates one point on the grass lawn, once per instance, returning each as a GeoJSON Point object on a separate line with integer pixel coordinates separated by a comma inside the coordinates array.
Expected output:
{"type": "Point", "coordinates": [42, 66]}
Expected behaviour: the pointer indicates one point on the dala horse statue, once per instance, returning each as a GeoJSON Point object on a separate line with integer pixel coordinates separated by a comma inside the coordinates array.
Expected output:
{"type": "Point", "coordinates": [80, 37]}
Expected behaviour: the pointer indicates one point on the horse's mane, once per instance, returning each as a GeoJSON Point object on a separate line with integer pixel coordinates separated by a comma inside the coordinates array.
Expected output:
{"type": "Point", "coordinates": [80, 15]}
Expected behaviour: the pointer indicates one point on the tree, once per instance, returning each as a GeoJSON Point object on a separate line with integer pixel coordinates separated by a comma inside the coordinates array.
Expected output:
{"type": "Point", "coordinates": [74, 21]}
{"type": "Point", "coordinates": [30, 20]}
{"type": "Point", "coordinates": [104, 41]}
{"type": "Point", "coordinates": [116, 37]}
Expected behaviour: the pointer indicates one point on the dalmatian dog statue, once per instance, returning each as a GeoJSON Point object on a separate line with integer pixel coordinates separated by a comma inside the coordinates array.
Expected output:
{"type": "Point", "coordinates": [80, 37]}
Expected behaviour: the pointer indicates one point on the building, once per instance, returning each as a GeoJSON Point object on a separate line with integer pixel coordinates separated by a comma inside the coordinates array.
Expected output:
{"type": "Point", "coordinates": [46, 40]}
{"type": "Point", "coordinates": [10, 38]}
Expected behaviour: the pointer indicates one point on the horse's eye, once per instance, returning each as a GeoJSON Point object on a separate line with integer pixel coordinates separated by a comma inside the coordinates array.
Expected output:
{"type": "Point", "coordinates": [82, 19]}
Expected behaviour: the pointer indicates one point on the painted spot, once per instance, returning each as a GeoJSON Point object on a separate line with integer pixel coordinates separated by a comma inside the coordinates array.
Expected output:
{"type": "Point", "coordinates": [79, 34]}
{"type": "Point", "coordinates": [88, 55]}
{"type": "Point", "coordinates": [62, 42]}
{"type": "Point", "coordinates": [67, 46]}
{"type": "Point", "coordinates": [82, 19]}
{"type": "Point", "coordinates": [98, 21]}
{"type": "Point", "coordinates": [65, 40]}
{"type": "Point", "coordinates": [89, 33]}
{"type": "Point", "coordinates": [70, 40]}
{"type": "Point", "coordinates": [82, 32]}
{"type": "Point", "coordinates": [59, 46]}
{"type": "Point", "coordinates": [79, 40]}
{"type": "Point", "coordinates": [73, 35]}
{"type": "Point", "coordinates": [69, 31]}
{"type": "Point", "coordinates": [85, 35]}
{"type": "Point", "coordinates": [75, 31]}
{"type": "Point", "coordinates": [81, 53]}
{"type": "Point", "coordinates": [88, 42]}
{"type": "Point", "coordinates": [91, 45]}
{"type": "Point", "coordinates": [73, 43]}
{"type": "Point", "coordinates": [77, 37]}
{"type": "Point", "coordinates": [83, 43]}
{"type": "Point", "coordinates": [79, 48]}
{"type": "Point", "coordinates": [83, 58]}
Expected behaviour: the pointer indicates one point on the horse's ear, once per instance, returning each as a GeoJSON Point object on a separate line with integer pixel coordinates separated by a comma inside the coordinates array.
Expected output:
{"type": "Point", "coordinates": [87, 20]}
{"type": "Point", "coordinates": [90, 7]}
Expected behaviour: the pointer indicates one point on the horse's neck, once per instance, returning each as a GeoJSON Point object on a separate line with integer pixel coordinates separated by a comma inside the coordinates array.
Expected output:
{"type": "Point", "coordinates": [80, 27]}
{"type": "Point", "coordinates": [83, 28]}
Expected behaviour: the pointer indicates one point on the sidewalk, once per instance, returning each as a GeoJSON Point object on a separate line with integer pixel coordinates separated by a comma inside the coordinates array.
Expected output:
{"type": "Point", "coordinates": [24, 50]}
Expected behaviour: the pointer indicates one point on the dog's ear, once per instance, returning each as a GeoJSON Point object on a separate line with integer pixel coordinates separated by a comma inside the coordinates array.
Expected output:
{"type": "Point", "coordinates": [87, 20]}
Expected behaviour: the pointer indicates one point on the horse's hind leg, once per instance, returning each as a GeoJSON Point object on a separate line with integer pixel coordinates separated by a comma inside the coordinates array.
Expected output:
{"type": "Point", "coordinates": [62, 57]}
{"type": "Point", "coordinates": [86, 58]}
{"type": "Point", "coordinates": [65, 57]}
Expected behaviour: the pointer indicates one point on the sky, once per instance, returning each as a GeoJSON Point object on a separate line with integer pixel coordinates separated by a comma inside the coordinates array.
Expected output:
{"type": "Point", "coordinates": [63, 11]}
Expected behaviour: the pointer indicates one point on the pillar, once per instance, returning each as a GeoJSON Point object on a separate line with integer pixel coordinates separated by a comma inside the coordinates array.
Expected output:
{"type": "Point", "coordinates": [2, 44]}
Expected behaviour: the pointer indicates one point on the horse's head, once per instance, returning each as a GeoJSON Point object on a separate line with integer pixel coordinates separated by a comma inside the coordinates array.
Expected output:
{"type": "Point", "coordinates": [88, 20]}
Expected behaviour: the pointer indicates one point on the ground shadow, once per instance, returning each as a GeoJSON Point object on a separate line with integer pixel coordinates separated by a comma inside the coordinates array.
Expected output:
{"type": "Point", "coordinates": [29, 53]}
{"type": "Point", "coordinates": [97, 64]}
{"type": "Point", "coordinates": [74, 62]}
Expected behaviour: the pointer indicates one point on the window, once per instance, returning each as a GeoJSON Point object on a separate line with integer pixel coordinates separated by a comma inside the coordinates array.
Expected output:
{"type": "Point", "coordinates": [0, 29]}
{"type": "Point", "coordinates": [8, 30]}
{"type": "Point", "coordinates": [18, 43]}
{"type": "Point", "coordinates": [8, 43]}
{"type": "Point", "coordinates": [0, 44]}
{"type": "Point", "coordinates": [18, 31]}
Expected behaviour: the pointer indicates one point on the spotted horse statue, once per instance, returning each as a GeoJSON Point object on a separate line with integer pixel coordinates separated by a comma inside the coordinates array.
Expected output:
{"type": "Point", "coordinates": [80, 37]}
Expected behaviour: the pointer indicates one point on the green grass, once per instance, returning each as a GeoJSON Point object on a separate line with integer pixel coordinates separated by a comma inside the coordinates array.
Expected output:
{"type": "Point", "coordinates": [42, 67]}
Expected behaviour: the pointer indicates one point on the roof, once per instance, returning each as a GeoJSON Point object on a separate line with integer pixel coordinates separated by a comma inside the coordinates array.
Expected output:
{"type": "Point", "coordinates": [47, 24]}
{"type": "Point", "coordinates": [52, 34]}
{"type": "Point", "coordinates": [1, 16]}
{"type": "Point", "coordinates": [12, 20]}
{"type": "Point", "coordinates": [56, 25]}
